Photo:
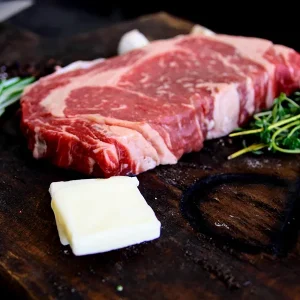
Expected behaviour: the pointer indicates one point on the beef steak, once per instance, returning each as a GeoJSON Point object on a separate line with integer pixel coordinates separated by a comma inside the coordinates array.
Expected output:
{"type": "Point", "coordinates": [130, 113]}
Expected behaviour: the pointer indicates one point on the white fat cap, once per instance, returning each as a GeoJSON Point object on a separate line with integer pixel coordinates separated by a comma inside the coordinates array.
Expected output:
{"type": "Point", "coordinates": [79, 64]}
{"type": "Point", "coordinates": [131, 40]}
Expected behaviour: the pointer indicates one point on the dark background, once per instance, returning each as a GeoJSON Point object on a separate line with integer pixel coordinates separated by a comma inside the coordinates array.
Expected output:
{"type": "Point", "coordinates": [61, 18]}
{"type": "Point", "coordinates": [277, 21]}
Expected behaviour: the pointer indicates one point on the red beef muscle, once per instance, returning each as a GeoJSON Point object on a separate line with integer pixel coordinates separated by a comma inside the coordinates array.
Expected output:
{"type": "Point", "coordinates": [128, 114]}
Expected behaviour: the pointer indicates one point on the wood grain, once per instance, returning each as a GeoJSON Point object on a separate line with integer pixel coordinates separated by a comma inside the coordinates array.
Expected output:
{"type": "Point", "coordinates": [230, 229]}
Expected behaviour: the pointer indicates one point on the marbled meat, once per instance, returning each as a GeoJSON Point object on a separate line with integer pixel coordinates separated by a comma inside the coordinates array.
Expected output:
{"type": "Point", "coordinates": [130, 113]}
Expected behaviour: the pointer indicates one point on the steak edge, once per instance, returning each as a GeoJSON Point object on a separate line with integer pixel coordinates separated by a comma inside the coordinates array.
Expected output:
{"type": "Point", "coordinates": [130, 113]}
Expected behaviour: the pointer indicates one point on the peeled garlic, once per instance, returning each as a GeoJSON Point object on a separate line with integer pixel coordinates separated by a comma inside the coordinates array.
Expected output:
{"type": "Point", "coordinates": [199, 29]}
{"type": "Point", "coordinates": [131, 40]}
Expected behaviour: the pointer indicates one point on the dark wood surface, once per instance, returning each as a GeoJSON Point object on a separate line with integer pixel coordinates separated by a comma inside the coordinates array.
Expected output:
{"type": "Point", "coordinates": [230, 229]}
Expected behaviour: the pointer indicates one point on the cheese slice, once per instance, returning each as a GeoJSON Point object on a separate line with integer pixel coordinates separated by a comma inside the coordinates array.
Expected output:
{"type": "Point", "coordinates": [100, 215]}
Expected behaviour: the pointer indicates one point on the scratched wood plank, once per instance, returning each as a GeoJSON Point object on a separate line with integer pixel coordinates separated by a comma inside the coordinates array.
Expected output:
{"type": "Point", "coordinates": [229, 228]}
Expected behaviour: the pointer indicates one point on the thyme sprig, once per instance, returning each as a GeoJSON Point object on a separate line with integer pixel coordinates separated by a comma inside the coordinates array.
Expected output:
{"type": "Point", "coordinates": [11, 90]}
{"type": "Point", "coordinates": [277, 129]}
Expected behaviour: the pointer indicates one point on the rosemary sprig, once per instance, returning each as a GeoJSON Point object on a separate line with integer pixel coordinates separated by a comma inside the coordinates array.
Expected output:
{"type": "Point", "coordinates": [11, 91]}
{"type": "Point", "coordinates": [277, 129]}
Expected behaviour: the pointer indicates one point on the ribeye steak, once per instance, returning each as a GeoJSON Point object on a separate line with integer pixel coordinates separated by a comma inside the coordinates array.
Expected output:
{"type": "Point", "coordinates": [130, 113]}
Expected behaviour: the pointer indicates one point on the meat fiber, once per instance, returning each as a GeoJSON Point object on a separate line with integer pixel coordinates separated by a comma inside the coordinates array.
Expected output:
{"type": "Point", "coordinates": [130, 113]}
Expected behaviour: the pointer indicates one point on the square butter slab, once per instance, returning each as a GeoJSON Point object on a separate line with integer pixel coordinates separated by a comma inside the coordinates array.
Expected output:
{"type": "Point", "coordinates": [100, 215]}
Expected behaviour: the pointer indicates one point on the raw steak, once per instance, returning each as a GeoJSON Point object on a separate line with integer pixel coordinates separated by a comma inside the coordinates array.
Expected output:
{"type": "Point", "coordinates": [130, 113]}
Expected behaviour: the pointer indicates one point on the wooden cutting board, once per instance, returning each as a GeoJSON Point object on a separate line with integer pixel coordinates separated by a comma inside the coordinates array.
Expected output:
{"type": "Point", "coordinates": [229, 228]}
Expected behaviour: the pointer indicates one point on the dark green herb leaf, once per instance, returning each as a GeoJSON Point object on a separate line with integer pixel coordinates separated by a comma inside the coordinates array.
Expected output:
{"type": "Point", "coordinates": [292, 142]}
{"type": "Point", "coordinates": [258, 152]}
{"type": "Point", "coordinates": [265, 136]}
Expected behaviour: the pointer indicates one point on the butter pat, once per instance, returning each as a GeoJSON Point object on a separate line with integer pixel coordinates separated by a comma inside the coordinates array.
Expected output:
{"type": "Point", "coordinates": [100, 215]}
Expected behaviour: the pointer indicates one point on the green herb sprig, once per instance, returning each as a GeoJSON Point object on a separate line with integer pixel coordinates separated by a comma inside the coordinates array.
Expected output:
{"type": "Point", "coordinates": [11, 90]}
{"type": "Point", "coordinates": [277, 129]}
